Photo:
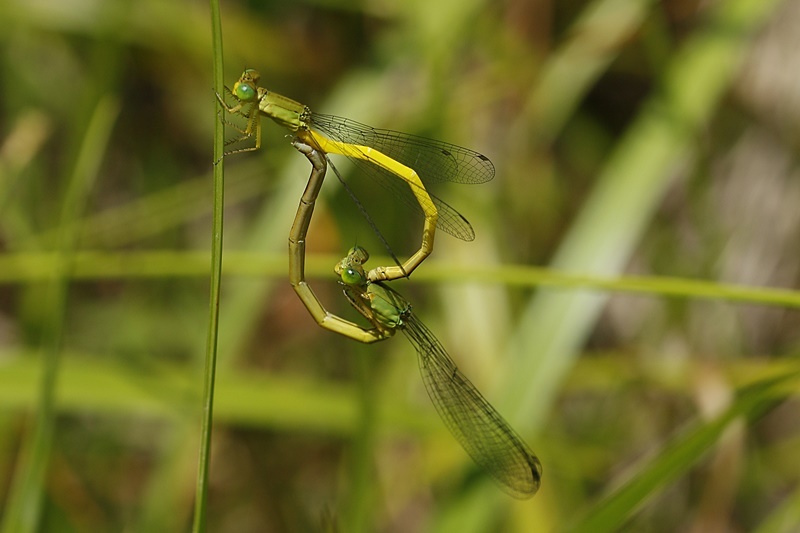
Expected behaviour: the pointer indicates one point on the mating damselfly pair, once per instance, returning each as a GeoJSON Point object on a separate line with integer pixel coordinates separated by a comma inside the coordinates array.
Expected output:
{"type": "Point", "coordinates": [403, 164]}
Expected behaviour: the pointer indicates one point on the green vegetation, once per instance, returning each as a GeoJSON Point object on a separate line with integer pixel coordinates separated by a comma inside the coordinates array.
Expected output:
{"type": "Point", "coordinates": [636, 261]}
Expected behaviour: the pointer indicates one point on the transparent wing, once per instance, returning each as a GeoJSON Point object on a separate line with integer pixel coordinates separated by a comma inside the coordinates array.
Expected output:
{"type": "Point", "coordinates": [480, 429]}
{"type": "Point", "coordinates": [434, 161]}
{"type": "Point", "coordinates": [438, 161]}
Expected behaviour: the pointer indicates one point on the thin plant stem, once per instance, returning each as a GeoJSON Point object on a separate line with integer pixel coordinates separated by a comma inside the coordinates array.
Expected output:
{"type": "Point", "coordinates": [201, 498]}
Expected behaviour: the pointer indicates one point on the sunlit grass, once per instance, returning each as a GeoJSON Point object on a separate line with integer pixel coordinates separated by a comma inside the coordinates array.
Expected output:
{"type": "Point", "coordinates": [594, 309]}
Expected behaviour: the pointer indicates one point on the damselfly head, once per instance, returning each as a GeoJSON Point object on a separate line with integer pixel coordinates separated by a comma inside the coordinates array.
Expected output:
{"type": "Point", "coordinates": [246, 88]}
{"type": "Point", "coordinates": [358, 255]}
{"type": "Point", "coordinates": [349, 269]}
{"type": "Point", "coordinates": [250, 75]}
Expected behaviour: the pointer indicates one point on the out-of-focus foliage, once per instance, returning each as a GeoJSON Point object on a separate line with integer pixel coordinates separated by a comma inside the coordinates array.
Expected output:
{"type": "Point", "coordinates": [650, 141]}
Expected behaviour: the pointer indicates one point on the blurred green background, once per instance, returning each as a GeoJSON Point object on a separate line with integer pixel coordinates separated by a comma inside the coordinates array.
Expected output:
{"type": "Point", "coordinates": [646, 158]}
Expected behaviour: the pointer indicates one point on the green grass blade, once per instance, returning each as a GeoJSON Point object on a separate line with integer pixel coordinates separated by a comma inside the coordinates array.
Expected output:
{"type": "Point", "coordinates": [555, 324]}
{"type": "Point", "coordinates": [613, 511]}
{"type": "Point", "coordinates": [201, 497]}
{"type": "Point", "coordinates": [91, 265]}
{"type": "Point", "coordinates": [627, 194]}
{"type": "Point", "coordinates": [574, 68]}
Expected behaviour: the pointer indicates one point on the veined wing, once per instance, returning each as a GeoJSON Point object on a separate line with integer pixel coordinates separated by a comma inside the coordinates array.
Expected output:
{"type": "Point", "coordinates": [433, 161]}
{"type": "Point", "coordinates": [480, 429]}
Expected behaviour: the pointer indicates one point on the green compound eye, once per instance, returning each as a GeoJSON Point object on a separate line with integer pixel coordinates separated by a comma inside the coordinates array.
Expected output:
{"type": "Point", "coordinates": [352, 276]}
{"type": "Point", "coordinates": [244, 92]}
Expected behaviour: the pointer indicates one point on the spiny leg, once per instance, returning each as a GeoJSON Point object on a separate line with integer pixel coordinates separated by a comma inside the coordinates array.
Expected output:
{"type": "Point", "coordinates": [253, 125]}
